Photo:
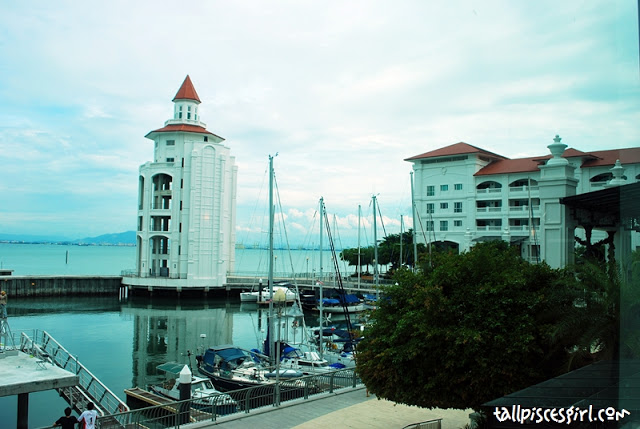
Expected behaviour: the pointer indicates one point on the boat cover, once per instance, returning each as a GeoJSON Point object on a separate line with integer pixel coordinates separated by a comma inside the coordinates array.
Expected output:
{"type": "Point", "coordinates": [229, 354]}
{"type": "Point", "coordinates": [173, 368]}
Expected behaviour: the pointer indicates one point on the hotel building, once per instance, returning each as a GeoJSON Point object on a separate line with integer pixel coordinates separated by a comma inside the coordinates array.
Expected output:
{"type": "Point", "coordinates": [464, 194]}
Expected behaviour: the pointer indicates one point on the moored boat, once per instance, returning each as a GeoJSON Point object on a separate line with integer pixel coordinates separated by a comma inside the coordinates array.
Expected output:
{"type": "Point", "coordinates": [203, 394]}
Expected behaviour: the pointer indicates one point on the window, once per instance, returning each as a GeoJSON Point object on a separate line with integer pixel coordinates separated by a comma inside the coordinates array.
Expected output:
{"type": "Point", "coordinates": [457, 223]}
{"type": "Point", "coordinates": [431, 191]}
{"type": "Point", "coordinates": [206, 138]}
{"type": "Point", "coordinates": [458, 186]}
{"type": "Point", "coordinates": [429, 225]}
{"type": "Point", "coordinates": [170, 159]}
{"type": "Point", "coordinates": [171, 142]}
{"type": "Point", "coordinates": [444, 225]}
{"type": "Point", "coordinates": [180, 113]}
{"type": "Point", "coordinates": [457, 207]}
{"type": "Point", "coordinates": [444, 188]}
{"type": "Point", "coordinates": [444, 206]}
{"type": "Point", "coordinates": [430, 208]}
{"type": "Point", "coordinates": [181, 183]}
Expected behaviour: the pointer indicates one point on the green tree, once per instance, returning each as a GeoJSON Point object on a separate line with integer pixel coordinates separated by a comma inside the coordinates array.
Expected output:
{"type": "Point", "coordinates": [388, 252]}
{"type": "Point", "coordinates": [474, 327]}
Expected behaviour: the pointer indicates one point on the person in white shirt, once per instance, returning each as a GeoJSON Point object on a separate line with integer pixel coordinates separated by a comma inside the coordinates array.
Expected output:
{"type": "Point", "coordinates": [88, 418]}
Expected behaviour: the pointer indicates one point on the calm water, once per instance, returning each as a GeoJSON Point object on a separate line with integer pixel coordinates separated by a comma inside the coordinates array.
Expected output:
{"type": "Point", "coordinates": [49, 259]}
{"type": "Point", "coordinates": [122, 342]}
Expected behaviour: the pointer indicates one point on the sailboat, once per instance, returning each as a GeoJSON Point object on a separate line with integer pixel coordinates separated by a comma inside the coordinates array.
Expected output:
{"type": "Point", "coordinates": [230, 367]}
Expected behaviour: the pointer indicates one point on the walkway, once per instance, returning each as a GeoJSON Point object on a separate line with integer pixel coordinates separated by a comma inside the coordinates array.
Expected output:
{"type": "Point", "coordinates": [353, 409]}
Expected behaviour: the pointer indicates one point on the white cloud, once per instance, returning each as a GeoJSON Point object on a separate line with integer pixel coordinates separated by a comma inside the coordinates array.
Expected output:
{"type": "Point", "coordinates": [344, 92]}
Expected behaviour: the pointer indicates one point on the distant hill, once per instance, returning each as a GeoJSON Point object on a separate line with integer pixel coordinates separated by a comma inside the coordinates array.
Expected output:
{"type": "Point", "coordinates": [127, 238]}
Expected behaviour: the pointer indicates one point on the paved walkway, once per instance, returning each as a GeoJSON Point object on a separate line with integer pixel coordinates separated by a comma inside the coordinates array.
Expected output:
{"type": "Point", "coordinates": [353, 409]}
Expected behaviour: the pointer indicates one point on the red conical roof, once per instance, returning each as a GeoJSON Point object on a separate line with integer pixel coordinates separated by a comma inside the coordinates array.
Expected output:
{"type": "Point", "coordinates": [187, 91]}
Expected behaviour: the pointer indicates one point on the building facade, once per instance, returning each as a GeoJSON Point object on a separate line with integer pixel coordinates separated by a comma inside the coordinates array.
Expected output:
{"type": "Point", "coordinates": [186, 204]}
{"type": "Point", "coordinates": [464, 194]}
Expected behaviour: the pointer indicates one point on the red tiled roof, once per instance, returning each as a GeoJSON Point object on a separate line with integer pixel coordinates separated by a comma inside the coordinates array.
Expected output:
{"type": "Point", "coordinates": [455, 149]}
{"type": "Point", "coordinates": [187, 91]}
{"type": "Point", "coordinates": [517, 165]}
{"type": "Point", "coordinates": [568, 153]}
{"type": "Point", "coordinates": [609, 157]}
{"type": "Point", "coordinates": [181, 128]}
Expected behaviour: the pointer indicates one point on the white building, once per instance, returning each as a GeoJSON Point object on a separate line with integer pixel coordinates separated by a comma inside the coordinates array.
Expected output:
{"type": "Point", "coordinates": [464, 194]}
{"type": "Point", "coordinates": [186, 204]}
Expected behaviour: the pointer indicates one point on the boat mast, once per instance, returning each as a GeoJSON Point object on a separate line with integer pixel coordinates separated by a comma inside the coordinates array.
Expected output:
{"type": "Point", "coordinates": [359, 269]}
{"type": "Point", "coordinates": [413, 214]}
{"type": "Point", "coordinates": [375, 246]}
{"type": "Point", "coordinates": [270, 281]}
{"type": "Point", "coordinates": [401, 231]}
{"type": "Point", "coordinates": [320, 284]}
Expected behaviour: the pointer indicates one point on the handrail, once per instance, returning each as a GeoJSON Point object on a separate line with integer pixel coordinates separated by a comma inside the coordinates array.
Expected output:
{"type": "Point", "coordinates": [177, 414]}
{"type": "Point", "coordinates": [428, 424]}
{"type": "Point", "coordinates": [47, 347]}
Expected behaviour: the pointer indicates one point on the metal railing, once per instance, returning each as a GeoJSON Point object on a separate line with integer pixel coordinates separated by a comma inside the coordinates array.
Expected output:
{"type": "Point", "coordinates": [90, 388]}
{"type": "Point", "coordinates": [429, 424]}
{"type": "Point", "coordinates": [180, 413]}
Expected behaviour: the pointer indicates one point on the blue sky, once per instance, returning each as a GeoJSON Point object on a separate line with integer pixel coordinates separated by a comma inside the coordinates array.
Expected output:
{"type": "Point", "coordinates": [343, 91]}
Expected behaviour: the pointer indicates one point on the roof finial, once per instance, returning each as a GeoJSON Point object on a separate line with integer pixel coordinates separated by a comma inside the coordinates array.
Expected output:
{"type": "Point", "coordinates": [557, 149]}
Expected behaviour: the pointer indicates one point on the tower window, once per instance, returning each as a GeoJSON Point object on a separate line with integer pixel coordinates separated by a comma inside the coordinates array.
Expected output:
{"type": "Point", "coordinates": [171, 142]}
{"type": "Point", "coordinates": [206, 138]}
{"type": "Point", "coordinates": [170, 159]}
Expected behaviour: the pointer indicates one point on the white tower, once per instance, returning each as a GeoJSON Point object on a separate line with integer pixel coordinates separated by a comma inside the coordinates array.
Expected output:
{"type": "Point", "coordinates": [186, 204]}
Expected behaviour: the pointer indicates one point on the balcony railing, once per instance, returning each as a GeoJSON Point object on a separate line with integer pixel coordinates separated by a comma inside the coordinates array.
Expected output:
{"type": "Point", "coordinates": [522, 188]}
{"type": "Point", "coordinates": [489, 227]}
{"type": "Point", "coordinates": [488, 209]}
{"type": "Point", "coordinates": [489, 191]}
{"type": "Point", "coordinates": [523, 208]}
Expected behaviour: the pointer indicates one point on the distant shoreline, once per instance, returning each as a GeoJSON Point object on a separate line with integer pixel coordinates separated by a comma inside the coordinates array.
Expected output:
{"type": "Point", "coordinates": [67, 243]}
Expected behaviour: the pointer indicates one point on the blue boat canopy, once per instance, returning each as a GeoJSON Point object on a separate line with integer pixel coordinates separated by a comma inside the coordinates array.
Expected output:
{"type": "Point", "coordinates": [229, 354]}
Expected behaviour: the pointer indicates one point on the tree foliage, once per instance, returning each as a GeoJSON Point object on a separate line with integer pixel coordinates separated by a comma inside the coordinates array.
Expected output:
{"type": "Point", "coordinates": [388, 252]}
{"type": "Point", "coordinates": [471, 328]}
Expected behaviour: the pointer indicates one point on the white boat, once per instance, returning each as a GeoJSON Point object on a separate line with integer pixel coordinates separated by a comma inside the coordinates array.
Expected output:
{"type": "Point", "coordinates": [343, 304]}
{"type": "Point", "coordinates": [263, 296]}
{"type": "Point", "coordinates": [203, 394]}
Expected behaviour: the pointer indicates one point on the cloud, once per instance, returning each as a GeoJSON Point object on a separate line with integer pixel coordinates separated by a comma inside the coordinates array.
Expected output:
{"type": "Point", "coordinates": [343, 92]}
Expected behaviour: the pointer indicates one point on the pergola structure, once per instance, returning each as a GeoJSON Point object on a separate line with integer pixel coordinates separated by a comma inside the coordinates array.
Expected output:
{"type": "Point", "coordinates": [615, 210]}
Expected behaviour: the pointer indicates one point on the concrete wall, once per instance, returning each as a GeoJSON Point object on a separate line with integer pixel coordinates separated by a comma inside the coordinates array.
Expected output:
{"type": "Point", "coordinates": [37, 286]}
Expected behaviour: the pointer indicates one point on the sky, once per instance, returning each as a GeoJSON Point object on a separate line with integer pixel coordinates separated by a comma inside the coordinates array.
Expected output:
{"type": "Point", "coordinates": [343, 92]}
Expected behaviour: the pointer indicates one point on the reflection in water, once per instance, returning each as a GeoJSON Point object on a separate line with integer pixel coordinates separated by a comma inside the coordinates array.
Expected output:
{"type": "Point", "coordinates": [122, 342]}
{"type": "Point", "coordinates": [173, 331]}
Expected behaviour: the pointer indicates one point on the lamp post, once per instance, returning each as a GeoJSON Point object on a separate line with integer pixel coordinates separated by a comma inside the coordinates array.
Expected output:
{"type": "Point", "coordinates": [307, 267]}
{"type": "Point", "coordinates": [279, 298]}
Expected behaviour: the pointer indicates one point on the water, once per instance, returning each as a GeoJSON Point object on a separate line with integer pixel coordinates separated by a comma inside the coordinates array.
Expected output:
{"type": "Point", "coordinates": [122, 342]}
{"type": "Point", "coordinates": [50, 259]}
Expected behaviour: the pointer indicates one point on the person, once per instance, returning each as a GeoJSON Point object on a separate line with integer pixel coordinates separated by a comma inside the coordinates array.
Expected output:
{"type": "Point", "coordinates": [89, 417]}
{"type": "Point", "coordinates": [3, 305]}
{"type": "Point", "coordinates": [67, 421]}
